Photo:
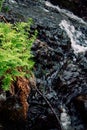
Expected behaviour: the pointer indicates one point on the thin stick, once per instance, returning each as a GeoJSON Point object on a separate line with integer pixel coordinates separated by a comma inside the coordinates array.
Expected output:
{"type": "Point", "coordinates": [46, 100]}
{"type": "Point", "coordinates": [4, 19]}
{"type": "Point", "coordinates": [34, 86]}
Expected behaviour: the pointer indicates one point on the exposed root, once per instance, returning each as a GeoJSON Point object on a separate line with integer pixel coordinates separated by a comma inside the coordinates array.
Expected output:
{"type": "Point", "coordinates": [15, 107]}
{"type": "Point", "coordinates": [3, 18]}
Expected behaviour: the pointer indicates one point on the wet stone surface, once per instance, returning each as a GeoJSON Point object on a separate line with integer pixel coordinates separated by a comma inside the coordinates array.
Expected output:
{"type": "Point", "coordinates": [60, 73]}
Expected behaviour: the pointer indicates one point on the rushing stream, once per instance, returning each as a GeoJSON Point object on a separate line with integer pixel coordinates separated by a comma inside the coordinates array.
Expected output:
{"type": "Point", "coordinates": [76, 37]}
{"type": "Point", "coordinates": [78, 40]}
{"type": "Point", "coordinates": [60, 65]}
{"type": "Point", "coordinates": [67, 13]}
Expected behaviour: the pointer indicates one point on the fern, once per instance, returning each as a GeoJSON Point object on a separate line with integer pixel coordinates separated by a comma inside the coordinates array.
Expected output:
{"type": "Point", "coordinates": [1, 3]}
{"type": "Point", "coordinates": [15, 52]}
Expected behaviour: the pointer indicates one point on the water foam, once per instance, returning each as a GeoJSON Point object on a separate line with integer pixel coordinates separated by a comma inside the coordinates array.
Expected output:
{"type": "Point", "coordinates": [76, 37]}
{"type": "Point", "coordinates": [66, 12]}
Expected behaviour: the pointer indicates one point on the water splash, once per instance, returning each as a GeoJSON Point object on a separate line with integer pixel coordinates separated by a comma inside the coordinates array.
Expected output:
{"type": "Point", "coordinates": [78, 40]}
{"type": "Point", "coordinates": [65, 120]}
{"type": "Point", "coordinates": [12, 1]}
{"type": "Point", "coordinates": [66, 12]}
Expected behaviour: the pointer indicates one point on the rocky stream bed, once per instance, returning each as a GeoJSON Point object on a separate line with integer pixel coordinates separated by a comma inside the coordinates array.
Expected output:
{"type": "Point", "coordinates": [60, 54]}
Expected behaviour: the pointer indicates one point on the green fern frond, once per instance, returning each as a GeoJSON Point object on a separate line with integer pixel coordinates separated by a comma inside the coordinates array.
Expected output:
{"type": "Point", "coordinates": [15, 51]}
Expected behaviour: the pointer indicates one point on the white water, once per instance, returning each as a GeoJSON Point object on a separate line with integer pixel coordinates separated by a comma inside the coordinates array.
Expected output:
{"type": "Point", "coordinates": [12, 1]}
{"type": "Point", "coordinates": [65, 120]}
{"type": "Point", "coordinates": [66, 12]}
{"type": "Point", "coordinates": [75, 36]}
{"type": "Point", "coordinates": [78, 44]}
{"type": "Point", "coordinates": [78, 40]}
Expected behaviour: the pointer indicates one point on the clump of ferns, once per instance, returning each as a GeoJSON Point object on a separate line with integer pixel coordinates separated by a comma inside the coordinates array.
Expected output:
{"type": "Point", "coordinates": [15, 52]}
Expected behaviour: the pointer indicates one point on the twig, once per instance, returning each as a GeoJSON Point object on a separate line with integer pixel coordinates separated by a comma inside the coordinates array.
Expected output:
{"type": "Point", "coordinates": [46, 100]}
{"type": "Point", "coordinates": [34, 86]}
{"type": "Point", "coordinates": [4, 19]}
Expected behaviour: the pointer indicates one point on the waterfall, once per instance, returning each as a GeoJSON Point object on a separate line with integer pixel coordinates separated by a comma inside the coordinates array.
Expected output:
{"type": "Point", "coordinates": [78, 40]}
{"type": "Point", "coordinates": [66, 12]}
{"type": "Point", "coordinates": [65, 119]}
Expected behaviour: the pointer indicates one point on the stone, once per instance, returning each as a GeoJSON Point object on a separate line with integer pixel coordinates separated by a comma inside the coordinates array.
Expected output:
{"type": "Point", "coordinates": [81, 106]}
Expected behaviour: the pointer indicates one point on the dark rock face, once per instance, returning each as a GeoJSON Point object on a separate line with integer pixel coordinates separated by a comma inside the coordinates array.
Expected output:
{"type": "Point", "coordinates": [81, 106]}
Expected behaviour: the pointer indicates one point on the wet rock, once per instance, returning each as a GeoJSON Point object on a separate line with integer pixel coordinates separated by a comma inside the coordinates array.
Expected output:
{"type": "Point", "coordinates": [81, 106]}
{"type": "Point", "coordinates": [1, 127]}
{"type": "Point", "coordinates": [2, 96]}
{"type": "Point", "coordinates": [83, 63]}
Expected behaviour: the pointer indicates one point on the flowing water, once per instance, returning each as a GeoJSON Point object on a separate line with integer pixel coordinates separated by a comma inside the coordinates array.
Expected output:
{"type": "Point", "coordinates": [78, 39]}
{"type": "Point", "coordinates": [66, 12]}
{"type": "Point", "coordinates": [79, 45]}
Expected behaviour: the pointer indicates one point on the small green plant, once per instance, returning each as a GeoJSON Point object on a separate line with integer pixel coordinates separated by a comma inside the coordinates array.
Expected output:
{"type": "Point", "coordinates": [15, 52]}
{"type": "Point", "coordinates": [1, 3]}
{"type": "Point", "coordinates": [6, 9]}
